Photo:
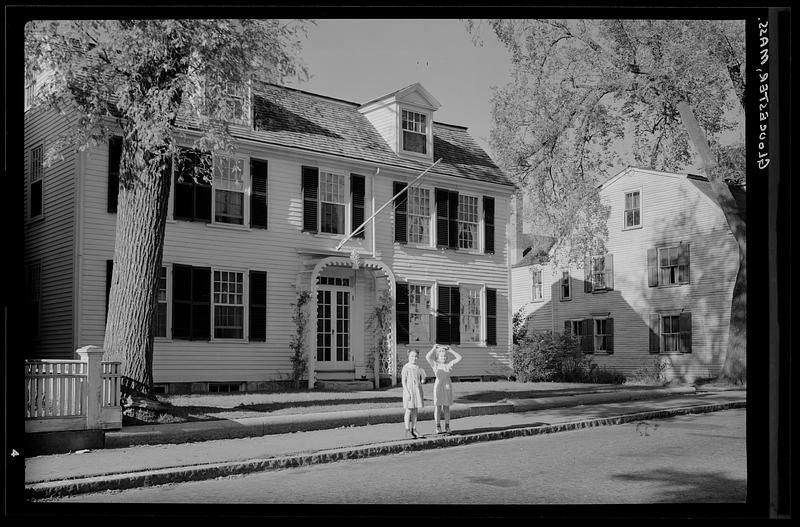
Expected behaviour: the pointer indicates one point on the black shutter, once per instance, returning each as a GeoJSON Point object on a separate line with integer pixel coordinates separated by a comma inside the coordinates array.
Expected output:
{"type": "Point", "coordinates": [258, 306]}
{"type": "Point", "coordinates": [201, 303]}
{"type": "Point", "coordinates": [683, 259]}
{"type": "Point", "coordinates": [357, 191]}
{"type": "Point", "coordinates": [443, 316]}
{"type": "Point", "coordinates": [491, 317]}
{"type": "Point", "coordinates": [109, 274]}
{"type": "Point", "coordinates": [453, 219]}
{"type": "Point", "coordinates": [587, 275]}
{"type": "Point", "coordinates": [655, 322]}
{"type": "Point", "coordinates": [455, 315]}
{"type": "Point", "coordinates": [442, 214]}
{"type": "Point", "coordinates": [587, 341]}
{"type": "Point", "coordinates": [202, 201]}
{"type": "Point", "coordinates": [400, 209]}
{"type": "Point", "coordinates": [652, 267]}
{"type": "Point", "coordinates": [609, 271]}
{"type": "Point", "coordinates": [259, 195]}
{"type": "Point", "coordinates": [114, 154]}
{"type": "Point", "coordinates": [488, 225]}
{"type": "Point", "coordinates": [181, 302]}
{"type": "Point", "coordinates": [310, 182]}
{"type": "Point", "coordinates": [685, 325]}
{"type": "Point", "coordinates": [401, 313]}
{"type": "Point", "coordinates": [610, 337]}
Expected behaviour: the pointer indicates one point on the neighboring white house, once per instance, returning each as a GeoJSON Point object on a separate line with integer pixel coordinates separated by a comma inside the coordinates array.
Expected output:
{"type": "Point", "coordinates": [237, 252]}
{"type": "Point", "coordinates": [662, 290]}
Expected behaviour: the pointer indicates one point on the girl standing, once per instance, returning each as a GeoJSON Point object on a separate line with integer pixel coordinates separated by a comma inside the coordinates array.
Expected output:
{"type": "Point", "coordinates": [413, 377]}
{"type": "Point", "coordinates": [443, 388]}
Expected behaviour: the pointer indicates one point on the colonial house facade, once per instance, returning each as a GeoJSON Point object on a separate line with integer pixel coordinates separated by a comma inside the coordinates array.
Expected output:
{"type": "Point", "coordinates": [281, 217]}
{"type": "Point", "coordinates": [662, 290]}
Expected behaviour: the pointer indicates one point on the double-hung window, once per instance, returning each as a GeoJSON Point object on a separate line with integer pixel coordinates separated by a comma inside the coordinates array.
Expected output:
{"type": "Point", "coordinates": [229, 190]}
{"type": "Point", "coordinates": [327, 196]}
{"type": "Point", "coordinates": [467, 222]}
{"type": "Point", "coordinates": [162, 304]}
{"type": "Point", "coordinates": [419, 215]}
{"type": "Point", "coordinates": [667, 266]}
{"type": "Point", "coordinates": [420, 313]}
{"type": "Point", "coordinates": [599, 273]}
{"type": "Point", "coordinates": [536, 291]}
{"type": "Point", "coordinates": [671, 332]}
{"type": "Point", "coordinates": [228, 303]}
{"type": "Point", "coordinates": [36, 176]}
{"type": "Point", "coordinates": [193, 173]}
{"type": "Point", "coordinates": [470, 328]}
{"type": "Point", "coordinates": [565, 286]}
{"type": "Point", "coordinates": [633, 210]}
{"type": "Point", "coordinates": [332, 202]}
{"type": "Point", "coordinates": [595, 335]}
{"type": "Point", "coordinates": [415, 132]}
{"type": "Point", "coordinates": [603, 335]}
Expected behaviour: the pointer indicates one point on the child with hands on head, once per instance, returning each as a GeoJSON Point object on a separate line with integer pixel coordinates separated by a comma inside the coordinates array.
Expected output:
{"type": "Point", "coordinates": [443, 387]}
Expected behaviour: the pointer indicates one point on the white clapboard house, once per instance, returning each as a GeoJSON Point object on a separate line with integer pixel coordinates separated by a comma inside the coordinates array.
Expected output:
{"type": "Point", "coordinates": [238, 252]}
{"type": "Point", "coordinates": [661, 292]}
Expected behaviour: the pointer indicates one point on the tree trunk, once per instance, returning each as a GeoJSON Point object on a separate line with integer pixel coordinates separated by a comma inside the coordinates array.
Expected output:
{"type": "Point", "coordinates": [141, 219]}
{"type": "Point", "coordinates": [734, 369]}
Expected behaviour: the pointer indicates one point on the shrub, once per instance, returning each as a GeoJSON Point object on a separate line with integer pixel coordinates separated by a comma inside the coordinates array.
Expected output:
{"type": "Point", "coordinates": [655, 374]}
{"type": "Point", "coordinates": [547, 356]}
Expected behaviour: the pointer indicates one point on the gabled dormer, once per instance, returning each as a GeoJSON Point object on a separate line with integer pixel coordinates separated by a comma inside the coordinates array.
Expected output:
{"type": "Point", "coordinates": [405, 120]}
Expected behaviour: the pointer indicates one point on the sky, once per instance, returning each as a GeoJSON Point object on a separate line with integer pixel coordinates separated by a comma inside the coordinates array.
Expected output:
{"type": "Point", "coordinates": [361, 59]}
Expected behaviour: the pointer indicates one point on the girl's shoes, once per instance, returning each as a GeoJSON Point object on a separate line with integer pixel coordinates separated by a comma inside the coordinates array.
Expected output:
{"type": "Point", "coordinates": [447, 429]}
{"type": "Point", "coordinates": [414, 433]}
{"type": "Point", "coordinates": [438, 430]}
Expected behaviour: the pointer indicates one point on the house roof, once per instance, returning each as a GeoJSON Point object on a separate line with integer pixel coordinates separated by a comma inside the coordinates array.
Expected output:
{"type": "Point", "coordinates": [293, 118]}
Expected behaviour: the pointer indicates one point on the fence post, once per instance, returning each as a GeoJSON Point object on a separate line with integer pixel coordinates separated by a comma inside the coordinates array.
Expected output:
{"type": "Point", "coordinates": [92, 356]}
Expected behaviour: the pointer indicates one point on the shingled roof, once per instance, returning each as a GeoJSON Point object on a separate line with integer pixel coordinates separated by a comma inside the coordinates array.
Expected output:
{"type": "Point", "coordinates": [293, 118]}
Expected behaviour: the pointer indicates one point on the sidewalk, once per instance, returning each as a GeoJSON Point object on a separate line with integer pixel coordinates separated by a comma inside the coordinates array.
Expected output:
{"type": "Point", "coordinates": [233, 447]}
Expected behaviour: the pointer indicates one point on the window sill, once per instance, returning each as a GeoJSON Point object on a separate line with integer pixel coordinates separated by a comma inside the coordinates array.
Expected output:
{"type": "Point", "coordinates": [228, 226]}
{"type": "Point", "coordinates": [565, 299]}
{"type": "Point", "coordinates": [670, 286]}
{"type": "Point", "coordinates": [538, 301]}
{"type": "Point", "coordinates": [234, 341]}
{"type": "Point", "coordinates": [635, 227]}
{"type": "Point", "coordinates": [35, 220]}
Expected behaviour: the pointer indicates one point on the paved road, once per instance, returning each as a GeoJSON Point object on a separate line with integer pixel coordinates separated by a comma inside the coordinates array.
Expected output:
{"type": "Point", "coordinates": [692, 459]}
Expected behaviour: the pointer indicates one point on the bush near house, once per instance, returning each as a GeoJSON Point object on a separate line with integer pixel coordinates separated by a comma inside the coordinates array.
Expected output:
{"type": "Point", "coordinates": [546, 356]}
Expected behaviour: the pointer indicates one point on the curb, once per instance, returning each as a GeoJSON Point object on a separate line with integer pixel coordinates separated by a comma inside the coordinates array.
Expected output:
{"type": "Point", "coordinates": [63, 488]}
{"type": "Point", "coordinates": [261, 426]}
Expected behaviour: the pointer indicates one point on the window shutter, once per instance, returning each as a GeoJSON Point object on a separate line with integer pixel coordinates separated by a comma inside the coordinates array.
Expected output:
{"type": "Point", "coordinates": [357, 191]}
{"type": "Point", "coordinates": [401, 313]}
{"type": "Point", "coordinates": [443, 316]}
{"type": "Point", "coordinates": [655, 321]}
{"type": "Point", "coordinates": [685, 325]}
{"type": "Point", "coordinates": [442, 214]}
{"type": "Point", "coordinates": [114, 154]}
{"type": "Point", "coordinates": [609, 262]}
{"type": "Point", "coordinates": [587, 342]}
{"type": "Point", "coordinates": [683, 259]}
{"type": "Point", "coordinates": [455, 315]}
{"type": "Point", "coordinates": [260, 193]}
{"type": "Point", "coordinates": [109, 274]}
{"type": "Point", "coordinates": [258, 306]}
{"type": "Point", "coordinates": [310, 183]}
{"type": "Point", "coordinates": [491, 317]}
{"type": "Point", "coordinates": [453, 219]}
{"type": "Point", "coordinates": [567, 327]}
{"type": "Point", "coordinates": [610, 337]}
{"type": "Point", "coordinates": [652, 267]}
{"type": "Point", "coordinates": [488, 225]}
{"type": "Point", "coordinates": [202, 202]}
{"type": "Point", "coordinates": [181, 302]}
{"type": "Point", "coordinates": [201, 303]}
{"type": "Point", "coordinates": [587, 275]}
{"type": "Point", "coordinates": [400, 208]}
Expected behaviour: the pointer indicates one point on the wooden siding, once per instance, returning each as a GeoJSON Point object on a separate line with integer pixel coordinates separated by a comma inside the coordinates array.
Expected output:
{"type": "Point", "coordinates": [384, 119]}
{"type": "Point", "coordinates": [673, 211]}
{"type": "Point", "coordinates": [49, 239]}
{"type": "Point", "coordinates": [282, 251]}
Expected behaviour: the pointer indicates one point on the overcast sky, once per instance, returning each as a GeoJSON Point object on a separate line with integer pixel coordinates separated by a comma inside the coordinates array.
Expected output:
{"type": "Point", "coordinates": [361, 59]}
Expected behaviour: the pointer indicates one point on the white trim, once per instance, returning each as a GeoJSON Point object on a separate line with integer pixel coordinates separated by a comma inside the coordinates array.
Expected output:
{"type": "Point", "coordinates": [641, 209]}
{"type": "Point", "coordinates": [428, 155]}
{"type": "Point", "coordinates": [168, 337]}
{"type": "Point", "coordinates": [245, 192]}
{"type": "Point", "coordinates": [245, 302]}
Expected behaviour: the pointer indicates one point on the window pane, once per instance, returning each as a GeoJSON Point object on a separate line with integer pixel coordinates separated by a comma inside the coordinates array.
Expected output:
{"type": "Point", "coordinates": [332, 220]}
{"type": "Point", "coordinates": [414, 142]}
{"type": "Point", "coordinates": [229, 207]}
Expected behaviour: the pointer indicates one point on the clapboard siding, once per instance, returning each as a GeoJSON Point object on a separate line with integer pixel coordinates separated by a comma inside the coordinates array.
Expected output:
{"type": "Point", "coordinates": [49, 239]}
{"type": "Point", "coordinates": [673, 211]}
{"type": "Point", "coordinates": [384, 119]}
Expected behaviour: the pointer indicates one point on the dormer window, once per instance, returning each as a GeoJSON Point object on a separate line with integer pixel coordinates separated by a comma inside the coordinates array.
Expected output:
{"type": "Point", "coordinates": [415, 132]}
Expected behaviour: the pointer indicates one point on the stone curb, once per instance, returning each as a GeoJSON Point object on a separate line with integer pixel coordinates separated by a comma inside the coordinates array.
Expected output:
{"type": "Point", "coordinates": [63, 488]}
{"type": "Point", "coordinates": [260, 426]}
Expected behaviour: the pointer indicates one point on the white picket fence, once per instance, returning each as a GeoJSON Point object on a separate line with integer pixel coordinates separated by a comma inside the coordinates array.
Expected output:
{"type": "Point", "coordinates": [79, 394]}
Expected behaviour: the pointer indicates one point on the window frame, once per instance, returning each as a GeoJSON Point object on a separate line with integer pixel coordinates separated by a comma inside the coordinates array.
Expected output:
{"type": "Point", "coordinates": [595, 273]}
{"type": "Point", "coordinates": [428, 131]}
{"type": "Point", "coordinates": [345, 204]}
{"type": "Point", "coordinates": [464, 289]}
{"type": "Point", "coordinates": [535, 270]}
{"type": "Point", "coordinates": [168, 310]}
{"type": "Point", "coordinates": [568, 283]}
{"type": "Point", "coordinates": [36, 168]}
{"type": "Point", "coordinates": [244, 304]}
{"type": "Point", "coordinates": [625, 226]}
{"type": "Point", "coordinates": [245, 192]}
{"type": "Point", "coordinates": [596, 320]}
{"type": "Point", "coordinates": [430, 224]}
{"type": "Point", "coordinates": [677, 266]}
{"type": "Point", "coordinates": [478, 244]}
{"type": "Point", "coordinates": [432, 286]}
{"type": "Point", "coordinates": [675, 321]}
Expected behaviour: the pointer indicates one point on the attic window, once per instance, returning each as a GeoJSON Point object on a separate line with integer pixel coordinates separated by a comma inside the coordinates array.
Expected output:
{"type": "Point", "coordinates": [415, 132]}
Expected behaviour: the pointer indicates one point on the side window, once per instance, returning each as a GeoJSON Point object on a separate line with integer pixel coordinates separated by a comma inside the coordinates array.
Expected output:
{"type": "Point", "coordinates": [36, 176]}
{"type": "Point", "coordinates": [632, 216]}
{"type": "Point", "coordinates": [193, 172]}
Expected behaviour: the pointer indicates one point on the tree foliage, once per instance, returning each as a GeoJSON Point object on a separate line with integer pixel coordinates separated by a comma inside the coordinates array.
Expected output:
{"type": "Point", "coordinates": [157, 83]}
{"type": "Point", "coordinates": [587, 96]}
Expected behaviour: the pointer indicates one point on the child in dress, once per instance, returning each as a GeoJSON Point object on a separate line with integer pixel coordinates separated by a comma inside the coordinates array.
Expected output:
{"type": "Point", "coordinates": [413, 377]}
{"type": "Point", "coordinates": [443, 388]}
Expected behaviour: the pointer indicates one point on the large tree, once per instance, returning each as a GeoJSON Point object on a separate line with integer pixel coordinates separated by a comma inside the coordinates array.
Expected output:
{"type": "Point", "coordinates": [587, 96]}
{"type": "Point", "coordinates": [147, 80]}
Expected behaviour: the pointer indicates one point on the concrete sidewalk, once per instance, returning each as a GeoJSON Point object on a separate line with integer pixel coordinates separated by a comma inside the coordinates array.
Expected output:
{"type": "Point", "coordinates": [153, 464]}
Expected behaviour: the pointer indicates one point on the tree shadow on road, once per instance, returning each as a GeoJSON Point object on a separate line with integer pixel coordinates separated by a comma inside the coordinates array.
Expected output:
{"type": "Point", "coordinates": [697, 487]}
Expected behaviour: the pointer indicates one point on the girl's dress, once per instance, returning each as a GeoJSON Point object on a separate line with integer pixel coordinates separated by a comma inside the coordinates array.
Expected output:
{"type": "Point", "coordinates": [412, 376]}
{"type": "Point", "coordinates": [443, 388]}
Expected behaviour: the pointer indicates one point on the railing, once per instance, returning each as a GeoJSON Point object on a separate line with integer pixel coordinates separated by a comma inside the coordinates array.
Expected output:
{"type": "Point", "coordinates": [73, 394]}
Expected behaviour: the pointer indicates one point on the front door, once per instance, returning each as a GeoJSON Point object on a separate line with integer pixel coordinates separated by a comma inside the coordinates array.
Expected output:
{"type": "Point", "coordinates": [333, 325]}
